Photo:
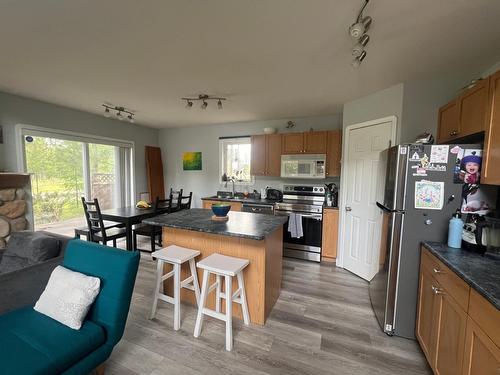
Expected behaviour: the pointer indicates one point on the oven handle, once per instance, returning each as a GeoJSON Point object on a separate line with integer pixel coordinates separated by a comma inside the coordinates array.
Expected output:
{"type": "Point", "coordinates": [318, 217]}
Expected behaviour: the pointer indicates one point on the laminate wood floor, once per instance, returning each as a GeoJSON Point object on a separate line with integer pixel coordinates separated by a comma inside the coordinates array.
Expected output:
{"type": "Point", "coordinates": [322, 324]}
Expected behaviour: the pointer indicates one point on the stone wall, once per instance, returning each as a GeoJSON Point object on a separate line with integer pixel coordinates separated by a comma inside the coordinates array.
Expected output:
{"type": "Point", "coordinates": [15, 201]}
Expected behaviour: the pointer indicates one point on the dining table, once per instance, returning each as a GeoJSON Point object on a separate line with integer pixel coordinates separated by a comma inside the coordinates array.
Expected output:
{"type": "Point", "coordinates": [131, 215]}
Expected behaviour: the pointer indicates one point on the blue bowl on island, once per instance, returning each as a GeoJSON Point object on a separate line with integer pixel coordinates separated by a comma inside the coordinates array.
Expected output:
{"type": "Point", "coordinates": [221, 209]}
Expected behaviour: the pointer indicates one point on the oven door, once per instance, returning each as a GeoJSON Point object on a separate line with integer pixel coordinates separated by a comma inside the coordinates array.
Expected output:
{"type": "Point", "coordinates": [309, 245]}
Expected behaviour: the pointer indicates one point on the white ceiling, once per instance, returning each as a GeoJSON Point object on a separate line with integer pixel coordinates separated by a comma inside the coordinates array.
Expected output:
{"type": "Point", "coordinates": [271, 58]}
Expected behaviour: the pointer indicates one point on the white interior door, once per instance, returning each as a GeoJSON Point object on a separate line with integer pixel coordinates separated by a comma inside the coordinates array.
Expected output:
{"type": "Point", "coordinates": [362, 185]}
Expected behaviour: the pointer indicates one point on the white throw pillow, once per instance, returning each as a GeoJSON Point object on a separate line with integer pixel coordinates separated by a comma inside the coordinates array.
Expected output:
{"type": "Point", "coordinates": [68, 296]}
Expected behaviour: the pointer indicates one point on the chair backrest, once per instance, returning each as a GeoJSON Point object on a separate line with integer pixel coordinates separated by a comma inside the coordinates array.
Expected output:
{"type": "Point", "coordinates": [186, 201]}
{"type": "Point", "coordinates": [162, 203]}
{"type": "Point", "coordinates": [117, 270]}
{"type": "Point", "coordinates": [94, 217]}
{"type": "Point", "coordinates": [176, 197]}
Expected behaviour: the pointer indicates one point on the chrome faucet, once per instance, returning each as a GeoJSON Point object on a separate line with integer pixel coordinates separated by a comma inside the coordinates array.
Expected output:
{"type": "Point", "coordinates": [228, 179]}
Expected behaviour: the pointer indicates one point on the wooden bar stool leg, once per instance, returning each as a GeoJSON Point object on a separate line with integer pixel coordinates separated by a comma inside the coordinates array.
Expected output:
{"type": "Point", "coordinates": [243, 297]}
{"type": "Point", "coordinates": [201, 306]}
{"type": "Point", "coordinates": [229, 313]}
{"type": "Point", "coordinates": [177, 296]}
{"type": "Point", "coordinates": [192, 267]}
{"type": "Point", "coordinates": [159, 274]}
{"type": "Point", "coordinates": [218, 292]}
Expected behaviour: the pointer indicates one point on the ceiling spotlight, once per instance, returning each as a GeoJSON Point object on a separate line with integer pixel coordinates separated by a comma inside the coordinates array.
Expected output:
{"type": "Point", "coordinates": [204, 105]}
{"type": "Point", "coordinates": [357, 61]}
{"type": "Point", "coordinates": [106, 112]}
{"type": "Point", "coordinates": [219, 104]}
{"type": "Point", "coordinates": [358, 48]}
{"type": "Point", "coordinates": [189, 104]}
{"type": "Point", "coordinates": [119, 115]}
{"type": "Point", "coordinates": [356, 30]}
{"type": "Point", "coordinates": [130, 118]}
{"type": "Point", "coordinates": [204, 98]}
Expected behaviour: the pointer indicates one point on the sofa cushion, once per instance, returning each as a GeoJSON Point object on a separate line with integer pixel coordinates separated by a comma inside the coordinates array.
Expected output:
{"type": "Point", "coordinates": [12, 263]}
{"type": "Point", "coordinates": [33, 343]}
{"type": "Point", "coordinates": [33, 246]}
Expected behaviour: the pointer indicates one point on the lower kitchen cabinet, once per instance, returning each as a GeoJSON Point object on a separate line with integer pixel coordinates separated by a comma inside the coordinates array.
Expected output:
{"type": "Point", "coordinates": [330, 234]}
{"type": "Point", "coordinates": [482, 356]}
{"type": "Point", "coordinates": [456, 336]}
{"type": "Point", "coordinates": [235, 206]}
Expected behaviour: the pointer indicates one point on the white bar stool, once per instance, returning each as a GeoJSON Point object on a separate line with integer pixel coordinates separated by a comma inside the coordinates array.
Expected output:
{"type": "Point", "coordinates": [176, 256]}
{"type": "Point", "coordinates": [222, 265]}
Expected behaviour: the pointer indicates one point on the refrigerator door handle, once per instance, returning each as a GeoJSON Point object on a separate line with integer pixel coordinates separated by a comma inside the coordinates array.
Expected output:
{"type": "Point", "coordinates": [383, 208]}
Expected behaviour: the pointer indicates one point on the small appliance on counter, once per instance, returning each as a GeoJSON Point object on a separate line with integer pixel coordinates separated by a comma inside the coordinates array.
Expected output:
{"type": "Point", "coordinates": [274, 194]}
{"type": "Point", "coordinates": [481, 234]}
{"type": "Point", "coordinates": [331, 195]}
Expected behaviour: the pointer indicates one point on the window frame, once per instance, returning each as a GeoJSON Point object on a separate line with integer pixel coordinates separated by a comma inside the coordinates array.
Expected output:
{"type": "Point", "coordinates": [223, 141]}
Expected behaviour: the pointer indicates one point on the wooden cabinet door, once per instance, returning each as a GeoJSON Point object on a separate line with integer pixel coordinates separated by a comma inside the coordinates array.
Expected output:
{"type": "Point", "coordinates": [450, 335]}
{"type": "Point", "coordinates": [330, 233]}
{"type": "Point", "coordinates": [473, 107]}
{"type": "Point", "coordinates": [293, 143]}
{"type": "Point", "coordinates": [315, 142]}
{"type": "Point", "coordinates": [235, 206]}
{"type": "Point", "coordinates": [154, 170]}
{"type": "Point", "coordinates": [481, 355]}
{"type": "Point", "coordinates": [333, 153]}
{"type": "Point", "coordinates": [491, 160]}
{"type": "Point", "coordinates": [426, 314]}
{"type": "Point", "coordinates": [449, 122]}
{"type": "Point", "coordinates": [258, 156]}
{"type": "Point", "coordinates": [273, 155]}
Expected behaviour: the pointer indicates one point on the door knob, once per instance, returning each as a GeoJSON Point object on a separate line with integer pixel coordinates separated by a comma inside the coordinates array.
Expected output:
{"type": "Point", "coordinates": [348, 208]}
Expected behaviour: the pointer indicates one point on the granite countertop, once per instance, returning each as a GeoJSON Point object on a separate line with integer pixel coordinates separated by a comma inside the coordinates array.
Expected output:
{"type": "Point", "coordinates": [240, 224]}
{"type": "Point", "coordinates": [241, 200]}
{"type": "Point", "coordinates": [482, 273]}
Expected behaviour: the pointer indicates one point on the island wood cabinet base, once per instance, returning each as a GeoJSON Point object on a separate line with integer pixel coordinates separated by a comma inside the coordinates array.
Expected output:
{"type": "Point", "coordinates": [262, 276]}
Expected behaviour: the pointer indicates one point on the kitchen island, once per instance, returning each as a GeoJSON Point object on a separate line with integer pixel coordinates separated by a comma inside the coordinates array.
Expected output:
{"type": "Point", "coordinates": [256, 237]}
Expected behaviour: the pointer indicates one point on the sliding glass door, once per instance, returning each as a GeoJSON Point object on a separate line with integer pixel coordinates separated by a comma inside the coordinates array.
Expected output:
{"type": "Point", "coordinates": [64, 170]}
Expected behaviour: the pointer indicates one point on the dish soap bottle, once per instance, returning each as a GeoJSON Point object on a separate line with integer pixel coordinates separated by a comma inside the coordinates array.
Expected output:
{"type": "Point", "coordinates": [455, 231]}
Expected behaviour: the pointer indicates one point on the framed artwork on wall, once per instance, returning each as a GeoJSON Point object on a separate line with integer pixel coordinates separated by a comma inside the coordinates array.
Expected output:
{"type": "Point", "coordinates": [191, 161]}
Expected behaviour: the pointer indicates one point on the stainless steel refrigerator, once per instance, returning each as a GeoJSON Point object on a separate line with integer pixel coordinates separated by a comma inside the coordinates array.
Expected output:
{"type": "Point", "coordinates": [393, 291]}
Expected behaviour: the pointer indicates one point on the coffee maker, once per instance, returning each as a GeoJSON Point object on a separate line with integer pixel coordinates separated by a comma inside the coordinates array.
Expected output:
{"type": "Point", "coordinates": [481, 234]}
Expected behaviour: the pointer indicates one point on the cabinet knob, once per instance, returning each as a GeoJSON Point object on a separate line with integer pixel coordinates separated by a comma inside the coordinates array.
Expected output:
{"type": "Point", "coordinates": [436, 290]}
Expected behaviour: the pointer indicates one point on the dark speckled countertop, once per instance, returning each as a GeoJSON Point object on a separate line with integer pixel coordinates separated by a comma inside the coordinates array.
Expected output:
{"type": "Point", "coordinates": [481, 272]}
{"type": "Point", "coordinates": [240, 224]}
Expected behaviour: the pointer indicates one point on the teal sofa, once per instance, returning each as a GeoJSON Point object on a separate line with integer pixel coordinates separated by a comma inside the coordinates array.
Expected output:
{"type": "Point", "coordinates": [32, 343]}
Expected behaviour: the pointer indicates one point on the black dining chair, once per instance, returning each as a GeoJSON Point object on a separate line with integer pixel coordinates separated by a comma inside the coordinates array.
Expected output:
{"type": "Point", "coordinates": [185, 202]}
{"type": "Point", "coordinates": [176, 196]}
{"type": "Point", "coordinates": [97, 230]}
{"type": "Point", "coordinates": [152, 231]}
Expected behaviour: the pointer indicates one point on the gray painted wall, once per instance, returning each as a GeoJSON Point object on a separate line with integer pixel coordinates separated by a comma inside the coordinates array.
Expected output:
{"type": "Point", "coordinates": [16, 109]}
{"type": "Point", "coordinates": [383, 103]}
{"type": "Point", "coordinates": [206, 139]}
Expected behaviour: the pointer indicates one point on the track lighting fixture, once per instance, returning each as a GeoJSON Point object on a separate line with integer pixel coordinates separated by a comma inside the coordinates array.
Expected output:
{"type": "Point", "coordinates": [204, 98]}
{"type": "Point", "coordinates": [119, 112]}
{"type": "Point", "coordinates": [358, 32]}
{"type": "Point", "coordinates": [358, 48]}
{"type": "Point", "coordinates": [357, 61]}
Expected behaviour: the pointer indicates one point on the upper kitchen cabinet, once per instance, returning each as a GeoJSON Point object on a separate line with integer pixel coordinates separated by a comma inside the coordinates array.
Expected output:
{"type": "Point", "coordinates": [315, 142]}
{"type": "Point", "coordinates": [304, 143]}
{"type": "Point", "coordinates": [333, 153]}
{"type": "Point", "coordinates": [293, 143]}
{"type": "Point", "coordinates": [266, 155]}
{"type": "Point", "coordinates": [258, 155]}
{"type": "Point", "coordinates": [449, 126]}
{"type": "Point", "coordinates": [466, 115]}
{"type": "Point", "coordinates": [491, 159]}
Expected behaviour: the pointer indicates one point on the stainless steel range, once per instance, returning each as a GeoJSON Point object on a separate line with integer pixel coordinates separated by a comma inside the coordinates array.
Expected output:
{"type": "Point", "coordinates": [306, 203]}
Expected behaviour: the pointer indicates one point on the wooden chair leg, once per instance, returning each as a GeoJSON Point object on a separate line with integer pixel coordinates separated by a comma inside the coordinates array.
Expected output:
{"type": "Point", "coordinates": [99, 370]}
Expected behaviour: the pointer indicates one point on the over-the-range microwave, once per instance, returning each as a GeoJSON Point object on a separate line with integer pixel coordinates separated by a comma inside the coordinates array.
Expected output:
{"type": "Point", "coordinates": [303, 166]}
